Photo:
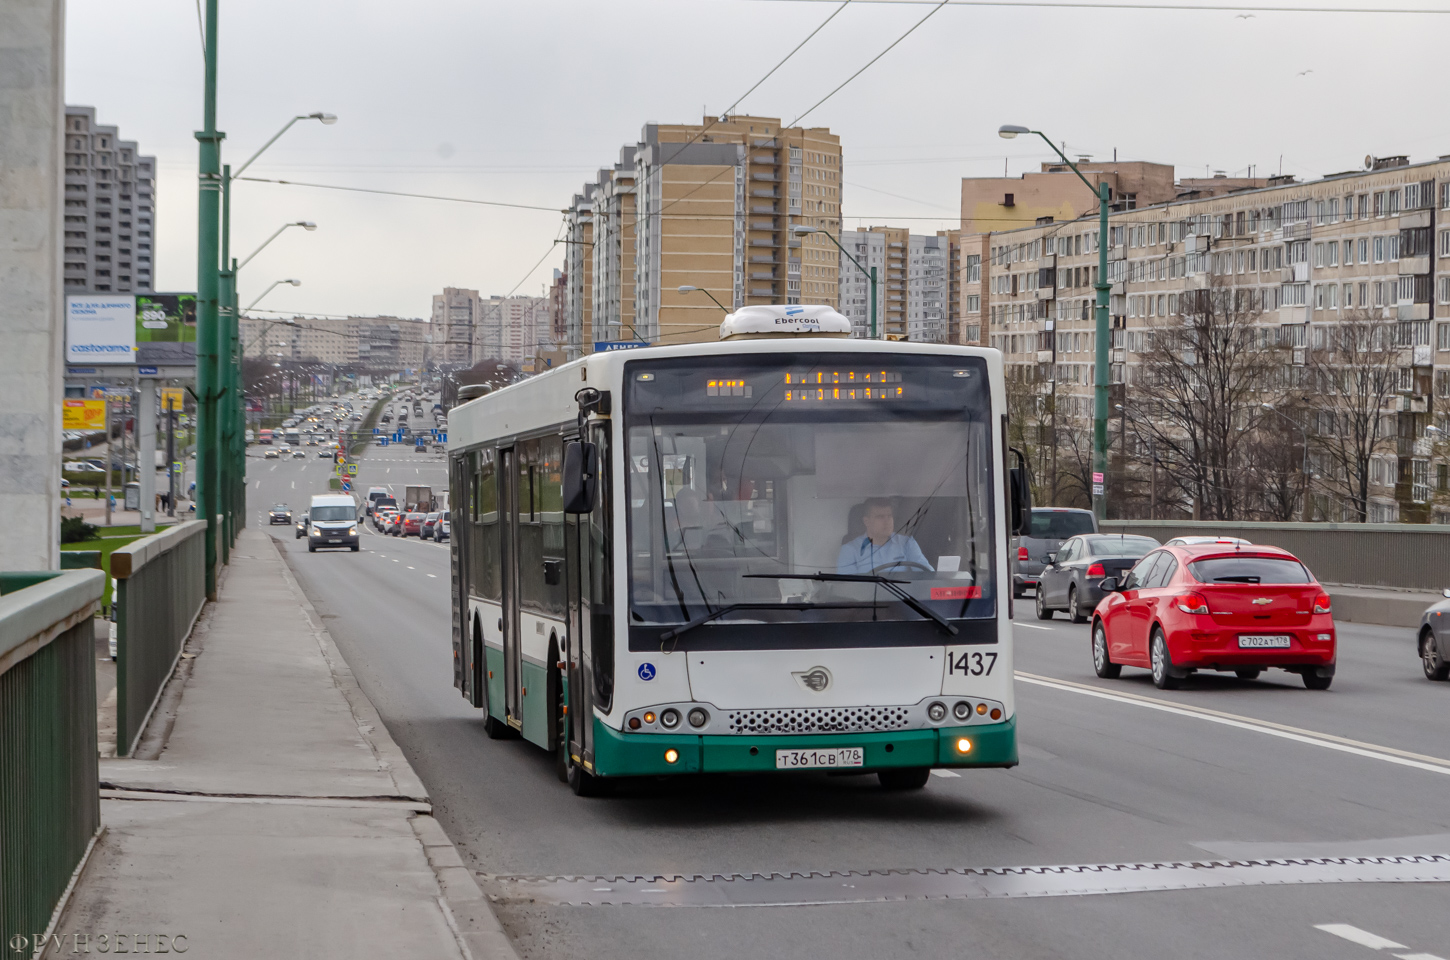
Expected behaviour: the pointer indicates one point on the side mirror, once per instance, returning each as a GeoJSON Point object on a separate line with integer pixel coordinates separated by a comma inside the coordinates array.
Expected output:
{"type": "Point", "coordinates": [581, 476]}
{"type": "Point", "coordinates": [1445, 592]}
{"type": "Point", "coordinates": [1021, 493]}
{"type": "Point", "coordinates": [1050, 558]}
{"type": "Point", "coordinates": [1108, 585]}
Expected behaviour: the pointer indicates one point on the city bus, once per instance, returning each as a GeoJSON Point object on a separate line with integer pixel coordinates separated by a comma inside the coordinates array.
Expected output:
{"type": "Point", "coordinates": [785, 550]}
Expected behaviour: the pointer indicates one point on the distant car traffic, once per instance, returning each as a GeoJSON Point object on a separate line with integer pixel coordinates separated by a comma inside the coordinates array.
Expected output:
{"type": "Point", "coordinates": [1069, 581]}
{"type": "Point", "coordinates": [325, 453]}
{"type": "Point", "coordinates": [301, 526]}
{"type": "Point", "coordinates": [299, 454]}
{"type": "Point", "coordinates": [1434, 639]}
{"type": "Point", "coordinates": [1243, 609]}
{"type": "Point", "coordinates": [430, 521]}
{"type": "Point", "coordinates": [272, 454]}
{"type": "Point", "coordinates": [1049, 526]}
{"type": "Point", "coordinates": [444, 529]}
{"type": "Point", "coordinates": [281, 513]}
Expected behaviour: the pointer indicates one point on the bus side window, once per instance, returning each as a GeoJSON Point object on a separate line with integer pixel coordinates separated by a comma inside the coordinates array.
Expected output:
{"type": "Point", "coordinates": [489, 575]}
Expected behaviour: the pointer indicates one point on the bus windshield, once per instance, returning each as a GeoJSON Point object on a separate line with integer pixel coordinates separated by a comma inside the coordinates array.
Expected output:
{"type": "Point", "coordinates": [744, 469]}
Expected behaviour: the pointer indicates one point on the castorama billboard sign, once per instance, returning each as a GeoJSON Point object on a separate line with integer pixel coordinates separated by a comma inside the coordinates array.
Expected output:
{"type": "Point", "coordinates": [100, 329]}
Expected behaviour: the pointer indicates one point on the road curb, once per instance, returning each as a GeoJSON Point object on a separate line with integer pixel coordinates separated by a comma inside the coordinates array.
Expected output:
{"type": "Point", "coordinates": [390, 757]}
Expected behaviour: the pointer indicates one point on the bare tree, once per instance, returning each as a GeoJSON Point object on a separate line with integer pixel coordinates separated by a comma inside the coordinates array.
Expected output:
{"type": "Point", "coordinates": [1203, 376]}
{"type": "Point", "coordinates": [1354, 377]}
{"type": "Point", "coordinates": [1029, 427]}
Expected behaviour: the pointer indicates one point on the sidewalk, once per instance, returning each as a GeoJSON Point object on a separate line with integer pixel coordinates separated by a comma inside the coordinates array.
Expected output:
{"type": "Point", "coordinates": [280, 818]}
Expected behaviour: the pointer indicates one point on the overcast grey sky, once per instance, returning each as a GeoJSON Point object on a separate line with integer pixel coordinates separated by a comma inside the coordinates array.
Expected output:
{"type": "Point", "coordinates": [523, 101]}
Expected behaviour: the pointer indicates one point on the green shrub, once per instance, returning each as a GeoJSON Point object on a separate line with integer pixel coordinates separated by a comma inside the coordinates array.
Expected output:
{"type": "Point", "coordinates": [76, 530]}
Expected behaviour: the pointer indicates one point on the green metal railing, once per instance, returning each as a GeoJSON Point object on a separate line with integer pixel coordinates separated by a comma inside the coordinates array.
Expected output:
{"type": "Point", "coordinates": [1409, 556]}
{"type": "Point", "coordinates": [160, 590]}
{"type": "Point", "coordinates": [50, 804]}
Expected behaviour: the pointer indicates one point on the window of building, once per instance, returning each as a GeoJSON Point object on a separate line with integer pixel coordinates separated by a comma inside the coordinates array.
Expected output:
{"type": "Point", "coordinates": [1379, 248]}
{"type": "Point", "coordinates": [1363, 244]}
{"type": "Point", "coordinates": [1379, 204]}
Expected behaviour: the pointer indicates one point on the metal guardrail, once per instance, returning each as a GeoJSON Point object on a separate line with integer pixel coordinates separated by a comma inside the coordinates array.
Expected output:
{"type": "Point", "coordinates": [160, 590]}
{"type": "Point", "coordinates": [50, 807]}
{"type": "Point", "coordinates": [1408, 556]}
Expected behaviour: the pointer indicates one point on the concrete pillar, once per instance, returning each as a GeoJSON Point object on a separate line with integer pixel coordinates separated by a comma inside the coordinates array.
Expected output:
{"type": "Point", "coordinates": [146, 453]}
{"type": "Point", "coordinates": [32, 118]}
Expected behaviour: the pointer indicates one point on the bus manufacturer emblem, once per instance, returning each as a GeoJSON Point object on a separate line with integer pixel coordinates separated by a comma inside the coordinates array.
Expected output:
{"type": "Point", "coordinates": [815, 679]}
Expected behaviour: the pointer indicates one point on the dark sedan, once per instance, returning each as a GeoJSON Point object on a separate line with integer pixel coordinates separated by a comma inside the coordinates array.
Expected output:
{"type": "Point", "coordinates": [1435, 640]}
{"type": "Point", "coordinates": [281, 513]}
{"type": "Point", "coordinates": [429, 522]}
{"type": "Point", "coordinates": [1069, 581]}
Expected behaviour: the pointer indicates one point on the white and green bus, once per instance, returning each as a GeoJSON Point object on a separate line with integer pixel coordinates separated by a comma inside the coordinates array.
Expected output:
{"type": "Point", "coordinates": [782, 551]}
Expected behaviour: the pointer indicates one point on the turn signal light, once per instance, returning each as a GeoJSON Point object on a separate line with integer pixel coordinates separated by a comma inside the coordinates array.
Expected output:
{"type": "Point", "coordinates": [1321, 603]}
{"type": "Point", "coordinates": [1192, 603]}
{"type": "Point", "coordinates": [649, 717]}
{"type": "Point", "coordinates": [1096, 570]}
{"type": "Point", "coordinates": [1022, 553]}
{"type": "Point", "coordinates": [981, 709]}
{"type": "Point", "coordinates": [672, 755]}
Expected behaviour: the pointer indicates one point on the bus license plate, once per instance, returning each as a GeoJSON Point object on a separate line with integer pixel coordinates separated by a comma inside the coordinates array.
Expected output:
{"type": "Point", "coordinates": [820, 759]}
{"type": "Point", "coordinates": [1256, 641]}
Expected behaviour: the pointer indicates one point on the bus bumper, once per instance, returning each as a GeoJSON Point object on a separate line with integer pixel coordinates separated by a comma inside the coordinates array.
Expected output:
{"type": "Point", "coordinates": [618, 754]}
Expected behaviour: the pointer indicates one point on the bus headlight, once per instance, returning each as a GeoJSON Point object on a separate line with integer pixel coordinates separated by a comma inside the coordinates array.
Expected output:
{"type": "Point", "coordinates": [669, 719]}
{"type": "Point", "coordinates": [698, 717]}
{"type": "Point", "coordinates": [962, 711]}
{"type": "Point", "coordinates": [672, 755]}
{"type": "Point", "coordinates": [937, 711]}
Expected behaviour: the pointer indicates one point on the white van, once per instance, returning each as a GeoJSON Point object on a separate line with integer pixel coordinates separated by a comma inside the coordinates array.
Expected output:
{"type": "Point", "coordinates": [332, 522]}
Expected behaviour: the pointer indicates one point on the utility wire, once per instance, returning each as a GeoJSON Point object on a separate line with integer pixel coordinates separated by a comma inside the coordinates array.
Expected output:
{"type": "Point", "coordinates": [401, 193]}
{"type": "Point", "coordinates": [878, 56]}
{"type": "Point", "coordinates": [731, 109]}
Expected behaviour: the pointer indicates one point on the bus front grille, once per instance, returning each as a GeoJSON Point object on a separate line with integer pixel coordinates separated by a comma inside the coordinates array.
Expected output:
{"type": "Point", "coordinates": [820, 720]}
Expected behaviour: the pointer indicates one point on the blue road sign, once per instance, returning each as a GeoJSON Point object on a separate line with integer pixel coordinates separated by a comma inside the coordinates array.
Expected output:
{"type": "Point", "coordinates": [604, 346]}
{"type": "Point", "coordinates": [146, 371]}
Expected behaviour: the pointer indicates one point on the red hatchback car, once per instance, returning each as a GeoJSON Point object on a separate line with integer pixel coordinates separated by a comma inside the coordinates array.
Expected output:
{"type": "Point", "coordinates": [1208, 607]}
{"type": "Point", "coordinates": [413, 524]}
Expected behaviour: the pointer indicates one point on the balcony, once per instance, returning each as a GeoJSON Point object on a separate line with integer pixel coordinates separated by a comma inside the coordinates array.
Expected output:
{"type": "Point", "coordinates": [770, 194]}
{"type": "Point", "coordinates": [1415, 220]}
{"type": "Point", "coordinates": [761, 242]}
{"type": "Point", "coordinates": [1423, 357]}
{"type": "Point", "coordinates": [763, 258]}
{"type": "Point", "coordinates": [757, 175]}
{"type": "Point", "coordinates": [1044, 356]}
{"type": "Point", "coordinates": [762, 224]}
{"type": "Point", "coordinates": [1413, 311]}
{"type": "Point", "coordinates": [1414, 266]}
{"type": "Point", "coordinates": [763, 208]}
{"type": "Point", "coordinates": [762, 292]}
{"type": "Point", "coordinates": [762, 274]}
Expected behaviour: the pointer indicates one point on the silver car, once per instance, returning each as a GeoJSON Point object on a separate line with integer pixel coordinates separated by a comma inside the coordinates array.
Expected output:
{"type": "Point", "coordinates": [1435, 639]}
{"type": "Point", "coordinates": [1049, 526]}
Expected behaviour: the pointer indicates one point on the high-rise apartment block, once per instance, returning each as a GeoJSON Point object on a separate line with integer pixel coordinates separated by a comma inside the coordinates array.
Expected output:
{"type": "Point", "coordinates": [383, 344]}
{"type": "Point", "coordinates": [456, 317]}
{"type": "Point", "coordinates": [917, 297]}
{"type": "Point", "coordinates": [1300, 258]}
{"type": "Point", "coordinates": [710, 206]}
{"type": "Point", "coordinates": [512, 329]}
{"type": "Point", "coordinates": [110, 209]}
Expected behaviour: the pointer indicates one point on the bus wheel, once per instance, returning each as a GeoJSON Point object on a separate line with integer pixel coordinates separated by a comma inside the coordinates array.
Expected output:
{"type": "Point", "coordinates": [904, 778]}
{"type": "Point", "coordinates": [583, 783]}
{"type": "Point", "coordinates": [496, 729]}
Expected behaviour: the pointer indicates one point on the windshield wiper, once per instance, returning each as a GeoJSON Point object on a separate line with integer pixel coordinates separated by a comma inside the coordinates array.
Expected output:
{"type": "Point", "coordinates": [706, 617]}
{"type": "Point", "coordinates": [889, 584]}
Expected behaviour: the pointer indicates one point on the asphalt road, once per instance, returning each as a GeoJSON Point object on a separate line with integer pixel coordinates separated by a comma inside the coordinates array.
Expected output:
{"type": "Point", "coordinates": [1112, 772]}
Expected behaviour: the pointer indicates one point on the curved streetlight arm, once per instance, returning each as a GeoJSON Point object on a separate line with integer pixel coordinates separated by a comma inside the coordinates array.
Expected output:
{"type": "Point", "coordinates": [274, 236]}
{"type": "Point", "coordinates": [326, 118]}
{"type": "Point", "coordinates": [688, 289]}
{"type": "Point", "coordinates": [275, 284]}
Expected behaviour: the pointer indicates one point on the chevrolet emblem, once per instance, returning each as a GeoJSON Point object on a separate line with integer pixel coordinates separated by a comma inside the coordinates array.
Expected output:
{"type": "Point", "coordinates": [1261, 601]}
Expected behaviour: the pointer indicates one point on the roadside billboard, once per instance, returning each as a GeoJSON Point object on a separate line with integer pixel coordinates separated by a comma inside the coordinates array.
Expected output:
{"type": "Point", "coordinates": [87, 415]}
{"type": "Point", "coordinates": [166, 328]}
{"type": "Point", "coordinates": [100, 329]}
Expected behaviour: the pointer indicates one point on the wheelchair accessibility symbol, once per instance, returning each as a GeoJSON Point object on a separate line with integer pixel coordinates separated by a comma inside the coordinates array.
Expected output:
{"type": "Point", "coordinates": [646, 672]}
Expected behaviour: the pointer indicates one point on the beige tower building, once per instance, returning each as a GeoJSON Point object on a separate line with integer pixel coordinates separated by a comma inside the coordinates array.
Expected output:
{"type": "Point", "coordinates": [456, 316]}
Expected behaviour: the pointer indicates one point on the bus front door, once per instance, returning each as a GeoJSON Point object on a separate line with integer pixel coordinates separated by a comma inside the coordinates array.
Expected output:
{"type": "Point", "coordinates": [512, 657]}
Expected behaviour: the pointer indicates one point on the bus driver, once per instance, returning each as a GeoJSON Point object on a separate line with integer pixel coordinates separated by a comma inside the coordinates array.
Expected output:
{"type": "Point", "coordinates": [880, 547]}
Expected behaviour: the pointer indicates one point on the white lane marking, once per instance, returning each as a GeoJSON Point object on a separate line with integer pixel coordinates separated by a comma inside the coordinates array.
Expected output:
{"type": "Point", "coordinates": [395, 561]}
{"type": "Point", "coordinates": [258, 486]}
{"type": "Point", "coordinates": [944, 774]}
{"type": "Point", "coordinates": [412, 568]}
{"type": "Point", "coordinates": [433, 575]}
{"type": "Point", "coordinates": [1030, 626]}
{"type": "Point", "coordinates": [274, 466]}
{"type": "Point", "coordinates": [388, 470]}
{"type": "Point", "coordinates": [1362, 937]}
{"type": "Point", "coordinates": [294, 484]}
{"type": "Point", "coordinates": [1328, 741]}
{"type": "Point", "coordinates": [1417, 956]}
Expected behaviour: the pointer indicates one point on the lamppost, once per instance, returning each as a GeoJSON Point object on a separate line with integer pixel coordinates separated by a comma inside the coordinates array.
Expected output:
{"type": "Point", "coordinates": [870, 274]}
{"type": "Point", "coordinates": [230, 482]}
{"type": "Point", "coordinates": [1304, 469]}
{"type": "Point", "coordinates": [275, 284]}
{"type": "Point", "coordinates": [1100, 365]}
{"type": "Point", "coordinates": [689, 289]}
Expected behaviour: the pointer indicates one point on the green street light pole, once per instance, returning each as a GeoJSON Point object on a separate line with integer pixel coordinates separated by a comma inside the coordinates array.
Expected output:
{"type": "Point", "coordinates": [1103, 334]}
{"type": "Point", "coordinates": [870, 274]}
{"type": "Point", "coordinates": [207, 294]}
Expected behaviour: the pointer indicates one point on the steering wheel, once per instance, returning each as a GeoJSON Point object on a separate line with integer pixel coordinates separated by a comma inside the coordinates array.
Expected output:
{"type": "Point", "coordinates": [900, 564]}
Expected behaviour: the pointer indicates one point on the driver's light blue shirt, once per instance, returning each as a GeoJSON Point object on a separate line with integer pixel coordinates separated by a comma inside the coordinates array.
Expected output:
{"type": "Point", "coordinates": [863, 556]}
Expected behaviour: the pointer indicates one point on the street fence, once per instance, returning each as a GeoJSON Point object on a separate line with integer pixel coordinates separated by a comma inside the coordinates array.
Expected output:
{"type": "Point", "coordinates": [160, 590]}
{"type": "Point", "coordinates": [1405, 556]}
{"type": "Point", "coordinates": [50, 807]}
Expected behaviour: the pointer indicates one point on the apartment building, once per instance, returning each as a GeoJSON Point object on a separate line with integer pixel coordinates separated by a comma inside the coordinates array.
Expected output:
{"type": "Point", "coordinates": [512, 329]}
{"type": "Point", "coordinates": [994, 204]}
{"type": "Point", "coordinates": [918, 286]}
{"type": "Point", "coordinates": [712, 206]}
{"type": "Point", "coordinates": [110, 209]}
{"type": "Point", "coordinates": [1300, 257]}
{"type": "Point", "coordinates": [456, 315]}
{"type": "Point", "coordinates": [372, 343]}
{"type": "Point", "coordinates": [579, 271]}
